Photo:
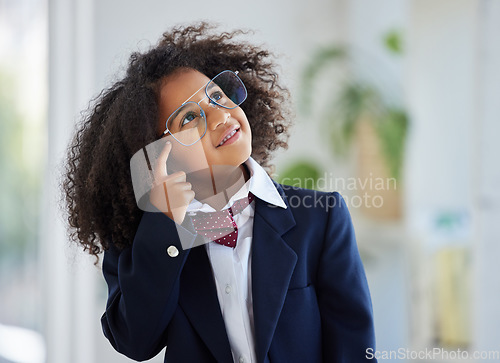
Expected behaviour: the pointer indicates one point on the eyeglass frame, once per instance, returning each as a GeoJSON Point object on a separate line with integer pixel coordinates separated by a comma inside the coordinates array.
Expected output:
{"type": "Point", "coordinates": [211, 103]}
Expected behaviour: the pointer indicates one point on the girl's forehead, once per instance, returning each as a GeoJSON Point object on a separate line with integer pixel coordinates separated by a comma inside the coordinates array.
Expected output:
{"type": "Point", "coordinates": [181, 85]}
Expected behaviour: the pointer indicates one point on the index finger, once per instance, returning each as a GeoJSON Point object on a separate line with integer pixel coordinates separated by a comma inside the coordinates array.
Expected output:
{"type": "Point", "coordinates": [161, 162]}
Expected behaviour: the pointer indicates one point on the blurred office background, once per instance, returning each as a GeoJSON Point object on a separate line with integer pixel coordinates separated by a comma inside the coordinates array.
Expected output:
{"type": "Point", "coordinates": [431, 68]}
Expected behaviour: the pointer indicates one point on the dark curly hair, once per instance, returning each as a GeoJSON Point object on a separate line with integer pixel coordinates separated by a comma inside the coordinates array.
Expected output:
{"type": "Point", "coordinates": [97, 187]}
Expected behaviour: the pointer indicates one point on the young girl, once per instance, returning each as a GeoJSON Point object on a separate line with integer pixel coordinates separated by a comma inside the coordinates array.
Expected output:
{"type": "Point", "coordinates": [213, 260]}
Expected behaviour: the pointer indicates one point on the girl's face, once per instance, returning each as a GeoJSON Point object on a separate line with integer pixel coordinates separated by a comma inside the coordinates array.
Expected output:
{"type": "Point", "coordinates": [176, 89]}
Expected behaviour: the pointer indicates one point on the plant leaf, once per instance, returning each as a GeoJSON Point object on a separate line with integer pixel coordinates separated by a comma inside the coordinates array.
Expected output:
{"type": "Point", "coordinates": [303, 174]}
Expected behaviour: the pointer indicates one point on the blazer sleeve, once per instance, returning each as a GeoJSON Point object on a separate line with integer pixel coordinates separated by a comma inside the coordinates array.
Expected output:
{"type": "Point", "coordinates": [143, 286]}
{"type": "Point", "coordinates": [343, 295]}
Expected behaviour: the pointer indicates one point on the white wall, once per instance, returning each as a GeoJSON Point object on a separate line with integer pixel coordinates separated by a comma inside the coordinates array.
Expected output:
{"type": "Point", "coordinates": [486, 179]}
{"type": "Point", "coordinates": [441, 80]}
{"type": "Point", "coordinates": [69, 316]}
{"type": "Point", "coordinates": [452, 164]}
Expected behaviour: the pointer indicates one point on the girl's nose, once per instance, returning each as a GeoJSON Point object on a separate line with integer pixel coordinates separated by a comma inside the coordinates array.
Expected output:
{"type": "Point", "coordinates": [216, 116]}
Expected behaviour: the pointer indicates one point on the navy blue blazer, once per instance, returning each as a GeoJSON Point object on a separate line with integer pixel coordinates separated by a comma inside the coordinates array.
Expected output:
{"type": "Point", "coordinates": [310, 295]}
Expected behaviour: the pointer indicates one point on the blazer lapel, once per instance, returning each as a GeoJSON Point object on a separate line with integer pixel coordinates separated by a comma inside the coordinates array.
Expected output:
{"type": "Point", "coordinates": [198, 299]}
{"type": "Point", "coordinates": [273, 262]}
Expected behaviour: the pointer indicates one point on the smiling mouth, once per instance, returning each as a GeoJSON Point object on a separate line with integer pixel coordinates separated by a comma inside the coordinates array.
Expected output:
{"type": "Point", "coordinates": [228, 137]}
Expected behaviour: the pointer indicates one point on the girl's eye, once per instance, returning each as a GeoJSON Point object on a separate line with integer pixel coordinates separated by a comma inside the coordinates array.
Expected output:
{"type": "Point", "coordinates": [190, 116]}
{"type": "Point", "coordinates": [217, 95]}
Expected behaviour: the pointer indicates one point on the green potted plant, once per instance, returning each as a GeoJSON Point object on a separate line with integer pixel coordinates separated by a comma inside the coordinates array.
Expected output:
{"type": "Point", "coordinates": [359, 115]}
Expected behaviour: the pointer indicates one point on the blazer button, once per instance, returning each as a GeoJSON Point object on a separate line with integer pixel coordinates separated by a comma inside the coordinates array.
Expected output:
{"type": "Point", "coordinates": [173, 251]}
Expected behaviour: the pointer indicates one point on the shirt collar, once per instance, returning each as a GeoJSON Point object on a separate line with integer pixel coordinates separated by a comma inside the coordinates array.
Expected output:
{"type": "Point", "coordinates": [259, 183]}
{"type": "Point", "coordinates": [262, 186]}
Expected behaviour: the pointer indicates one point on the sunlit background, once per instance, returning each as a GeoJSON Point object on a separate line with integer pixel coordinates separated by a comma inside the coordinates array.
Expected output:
{"type": "Point", "coordinates": [397, 107]}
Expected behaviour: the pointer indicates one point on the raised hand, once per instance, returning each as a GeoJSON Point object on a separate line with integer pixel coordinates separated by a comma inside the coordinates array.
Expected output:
{"type": "Point", "coordinates": [171, 194]}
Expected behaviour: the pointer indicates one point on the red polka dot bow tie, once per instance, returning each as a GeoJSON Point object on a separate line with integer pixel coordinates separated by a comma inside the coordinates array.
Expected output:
{"type": "Point", "coordinates": [220, 226]}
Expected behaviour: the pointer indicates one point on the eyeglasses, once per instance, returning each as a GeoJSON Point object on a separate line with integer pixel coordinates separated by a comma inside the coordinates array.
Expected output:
{"type": "Point", "coordinates": [188, 123]}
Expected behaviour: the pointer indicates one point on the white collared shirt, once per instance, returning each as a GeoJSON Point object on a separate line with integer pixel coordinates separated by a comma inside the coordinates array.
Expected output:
{"type": "Point", "coordinates": [232, 266]}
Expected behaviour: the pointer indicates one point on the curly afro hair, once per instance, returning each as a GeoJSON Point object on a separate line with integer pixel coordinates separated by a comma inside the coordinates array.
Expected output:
{"type": "Point", "coordinates": [97, 187]}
